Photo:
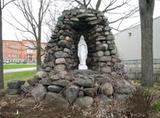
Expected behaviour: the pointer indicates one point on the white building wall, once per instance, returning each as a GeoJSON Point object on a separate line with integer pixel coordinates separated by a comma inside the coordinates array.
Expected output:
{"type": "Point", "coordinates": [128, 42]}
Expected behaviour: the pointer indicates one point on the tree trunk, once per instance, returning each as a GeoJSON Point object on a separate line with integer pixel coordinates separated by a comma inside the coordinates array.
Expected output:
{"type": "Point", "coordinates": [39, 49]}
{"type": "Point", "coordinates": [38, 55]}
{"type": "Point", "coordinates": [1, 52]}
{"type": "Point", "coordinates": [146, 15]}
{"type": "Point", "coordinates": [98, 4]}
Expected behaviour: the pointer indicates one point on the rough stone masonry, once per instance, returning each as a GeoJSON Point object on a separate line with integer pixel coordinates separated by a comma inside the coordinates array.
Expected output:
{"type": "Point", "coordinates": [60, 83]}
{"type": "Point", "coordinates": [61, 54]}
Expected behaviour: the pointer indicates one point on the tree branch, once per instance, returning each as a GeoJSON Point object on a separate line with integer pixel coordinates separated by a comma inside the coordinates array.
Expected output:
{"type": "Point", "coordinates": [5, 4]}
{"type": "Point", "coordinates": [116, 7]}
{"type": "Point", "coordinates": [126, 15]}
{"type": "Point", "coordinates": [98, 4]}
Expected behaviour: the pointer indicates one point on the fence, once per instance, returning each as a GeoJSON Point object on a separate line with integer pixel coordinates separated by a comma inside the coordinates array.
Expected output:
{"type": "Point", "coordinates": [133, 68]}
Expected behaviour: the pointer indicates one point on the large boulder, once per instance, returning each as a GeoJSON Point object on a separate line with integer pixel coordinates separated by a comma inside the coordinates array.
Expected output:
{"type": "Point", "coordinates": [56, 100]}
{"type": "Point", "coordinates": [38, 92]}
{"type": "Point", "coordinates": [71, 93]}
{"type": "Point", "coordinates": [84, 101]}
{"type": "Point", "coordinates": [107, 89]}
{"type": "Point", "coordinates": [62, 83]}
{"type": "Point", "coordinates": [54, 88]}
{"type": "Point", "coordinates": [123, 87]}
{"type": "Point", "coordinates": [84, 83]}
{"type": "Point", "coordinates": [15, 84]}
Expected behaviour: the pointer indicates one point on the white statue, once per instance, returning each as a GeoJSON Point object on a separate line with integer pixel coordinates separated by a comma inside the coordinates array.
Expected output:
{"type": "Point", "coordinates": [82, 54]}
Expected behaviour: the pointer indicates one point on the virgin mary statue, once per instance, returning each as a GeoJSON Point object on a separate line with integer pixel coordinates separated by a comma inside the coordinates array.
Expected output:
{"type": "Point", "coordinates": [82, 54]}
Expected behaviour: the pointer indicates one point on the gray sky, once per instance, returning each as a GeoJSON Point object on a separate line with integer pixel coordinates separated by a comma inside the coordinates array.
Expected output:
{"type": "Point", "coordinates": [10, 33]}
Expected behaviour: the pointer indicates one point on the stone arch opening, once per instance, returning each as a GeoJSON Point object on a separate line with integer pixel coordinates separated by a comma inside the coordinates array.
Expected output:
{"type": "Point", "coordinates": [61, 52]}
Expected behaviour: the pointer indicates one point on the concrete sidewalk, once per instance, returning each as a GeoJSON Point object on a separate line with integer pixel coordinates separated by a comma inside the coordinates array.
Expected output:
{"type": "Point", "coordinates": [19, 70]}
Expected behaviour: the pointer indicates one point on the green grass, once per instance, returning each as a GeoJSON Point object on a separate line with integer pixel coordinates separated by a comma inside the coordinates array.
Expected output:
{"type": "Point", "coordinates": [14, 66]}
{"type": "Point", "coordinates": [156, 105]}
{"type": "Point", "coordinates": [18, 76]}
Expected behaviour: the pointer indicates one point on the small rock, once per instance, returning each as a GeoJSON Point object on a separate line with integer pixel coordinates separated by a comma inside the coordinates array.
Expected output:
{"type": "Point", "coordinates": [62, 74]}
{"type": "Point", "coordinates": [45, 81]}
{"type": "Point", "coordinates": [107, 28]}
{"type": "Point", "coordinates": [114, 51]}
{"type": "Point", "coordinates": [106, 69]}
{"type": "Point", "coordinates": [56, 100]}
{"type": "Point", "coordinates": [48, 69]}
{"type": "Point", "coordinates": [94, 22]}
{"type": "Point", "coordinates": [67, 51]}
{"type": "Point", "coordinates": [102, 47]}
{"type": "Point", "coordinates": [54, 88]}
{"type": "Point", "coordinates": [105, 58]}
{"type": "Point", "coordinates": [41, 74]}
{"type": "Point", "coordinates": [15, 84]}
{"type": "Point", "coordinates": [123, 87]}
{"type": "Point", "coordinates": [38, 92]}
{"type": "Point", "coordinates": [26, 88]}
{"type": "Point", "coordinates": [71, 93]}
{"type": "Point", "coordinates": [110, 37]}
{"type": "Point", "coordinates": [61, 54]}
{"type": "Point", "coordinates": [85, 15]}
{"type": "Point", "coordinates": [84, 101]}
{"type": "Point", "coordinates": [112, 46]}
{"type": "Point", "coordinates": [84, 82]}
{"type": "Point", "coordinates": [60, 61]}
{"type": "Point", "coordinates": [107, 89]}
{"type": "Point", "coordinates": [107, 53]}
{"type": "Point", "coordinates": [101, 38]}
{"type": "Point", "coordinates": [101, 80]}
{"type": "Point", "coordinates": [74, 19]}
{"type": "Point", "coordinates": [68, 39]}
{"type": "Point", "coordinates": [60, 67]}
{"type": "Point", "coordinates": [81, 94]}
{"type": "Point", "coordinates": [63, 43]}
{"type": "Point", "coordinates": [90, 92]}
{"type": "Point", "coordinates": [34, 81]}
{"type": "Point", "coordinates": [100, 53]}
{"type": "Point", "coordinates": [91, 18]}
{"type": "Point", "coordinates": [62, 83]}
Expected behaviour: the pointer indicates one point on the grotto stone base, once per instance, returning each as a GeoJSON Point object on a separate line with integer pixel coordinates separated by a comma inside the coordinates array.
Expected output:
{"type": "Point", "coordinates": [80, 88]}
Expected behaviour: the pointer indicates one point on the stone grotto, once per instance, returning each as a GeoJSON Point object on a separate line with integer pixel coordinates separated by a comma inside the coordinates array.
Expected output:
{"type": "Point", "coordinates": [60, 82]}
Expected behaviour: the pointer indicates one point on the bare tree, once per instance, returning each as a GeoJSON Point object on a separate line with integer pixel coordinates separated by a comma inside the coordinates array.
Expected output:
{"type": "Point", "coordinates": [146, 15]}
{"type": "Point", "coordinates": [109, 7]}
{"type": "Point", "coordinates": [3, 4]}
{"type": "Point", "coordinates": [34, 23]}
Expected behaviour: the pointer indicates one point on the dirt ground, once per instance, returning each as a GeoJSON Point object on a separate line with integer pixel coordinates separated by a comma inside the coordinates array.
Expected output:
{"type": "Point", "coordinates": [24, 107]}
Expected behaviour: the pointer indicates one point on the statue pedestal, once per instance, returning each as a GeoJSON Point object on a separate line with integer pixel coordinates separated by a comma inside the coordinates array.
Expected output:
{"type": "Point", "coordinates": [82, 67]}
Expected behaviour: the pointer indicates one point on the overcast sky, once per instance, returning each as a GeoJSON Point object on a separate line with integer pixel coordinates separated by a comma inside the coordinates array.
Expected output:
{"type": "Point", "coordinates": [10, 33]}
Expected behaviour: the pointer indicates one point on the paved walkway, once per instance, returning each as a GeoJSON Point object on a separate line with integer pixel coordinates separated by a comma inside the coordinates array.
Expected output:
{"type": "Point", "coordinates": [19, 70]}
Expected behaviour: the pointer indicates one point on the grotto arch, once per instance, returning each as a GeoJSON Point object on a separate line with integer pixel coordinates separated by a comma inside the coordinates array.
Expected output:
{"type": "Point", "coordinates": [61, 54]}
{"type": "Point", "coordinates": [64, 84]}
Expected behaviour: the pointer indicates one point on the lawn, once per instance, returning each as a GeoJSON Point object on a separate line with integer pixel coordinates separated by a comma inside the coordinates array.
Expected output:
{"type": "Point", "coordinates": [14, 66]}
{"type": "Point", "coordinates": [18, 76]}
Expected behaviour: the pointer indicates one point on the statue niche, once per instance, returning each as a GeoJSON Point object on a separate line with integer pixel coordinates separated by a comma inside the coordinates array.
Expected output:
{"type": "Point", "coordinates": [82, 54]}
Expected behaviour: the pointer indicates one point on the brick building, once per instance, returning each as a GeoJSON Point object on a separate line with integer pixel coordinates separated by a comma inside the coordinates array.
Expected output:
{"type": "Point", "coordinates": [20, 51]}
